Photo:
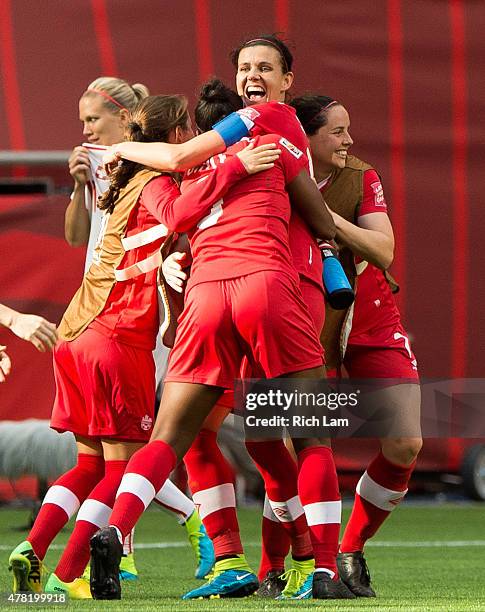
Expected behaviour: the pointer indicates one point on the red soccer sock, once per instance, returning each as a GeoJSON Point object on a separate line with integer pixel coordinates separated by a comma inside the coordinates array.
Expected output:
{"type": "Point", "coordinates": [211, 481]}
{"type": "Point", "coordinates": [145, 473]}
{"type": "Point", "coordinates": [275, 542]}
{"type": "Point", "coordinates": [378, 492]}
{"type": "Point", "coordinates": [279, 472]}
{"type": "Point", "coordinates": [93, 514]}
{"type": "Point", "coordinates": [320, 496]}
{"type": "Point", "coordinates": [63, 500]}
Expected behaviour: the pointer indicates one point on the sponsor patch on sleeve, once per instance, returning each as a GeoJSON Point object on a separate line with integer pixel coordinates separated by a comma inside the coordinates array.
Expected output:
{"type": "Point", "coordinates": [249, 112]}
{"type": "Point", "coordinates": [378, 194]}
{"type": "Point", "coordinates": [295, 151]}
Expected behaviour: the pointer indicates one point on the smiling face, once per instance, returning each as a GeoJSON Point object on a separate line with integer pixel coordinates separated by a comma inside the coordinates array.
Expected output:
{"type": "Point", "coordinates": [330, 145]}
{"type": "Point", "coordinates": [260, 76]}
{"type": "Point", "coordinates": [100, 125]}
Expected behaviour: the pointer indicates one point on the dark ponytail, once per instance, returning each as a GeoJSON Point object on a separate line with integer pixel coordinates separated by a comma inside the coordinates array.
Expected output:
{"type": "Point", "coordinates": [216, 101]}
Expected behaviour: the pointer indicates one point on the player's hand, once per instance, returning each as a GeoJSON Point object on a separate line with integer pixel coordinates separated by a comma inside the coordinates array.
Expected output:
{"type": "Point", "coordinates": [79, 165]}
{"type": "Point", "coordinates": [34, 329]}
{"type": "Point", "coordinates": [5, 364]}
{"type": "Point", "coordinates": [111, 160]}
{"type": "Point", "coordinates": [172, 271]}
{"type": "Point", "coordinates": [257, 159]}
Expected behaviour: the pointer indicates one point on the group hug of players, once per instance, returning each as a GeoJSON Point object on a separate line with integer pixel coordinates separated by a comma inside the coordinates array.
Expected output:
{"type": "Point", "coordinates": [235, 214]}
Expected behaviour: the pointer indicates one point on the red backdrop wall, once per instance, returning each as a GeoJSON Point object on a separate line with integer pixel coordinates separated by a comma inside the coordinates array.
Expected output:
{"type": "Point", "coordinates": [412, 75]}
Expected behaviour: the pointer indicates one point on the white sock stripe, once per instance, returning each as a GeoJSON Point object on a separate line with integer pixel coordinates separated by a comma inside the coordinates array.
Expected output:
{"type": "Point", "coordinates": [323, 513]}
{"type": "Point", "coordinates": [128, 543]}
{"type": "Point", "coordinates": [138, 485]}
{"type": "Point", "coordinates": [95, 512]}
{"type": "Point", "coordinates": [268, 511]}
{"type": "Point", "coordinates": [377, 495]}
{"type": "Point", "coordinates": [170, 495]}
{"type": "Point", "coordinates": [287, 511]}
{"type": "Point", "coordinates": [64, 498]}
{"type": "Point", "coordinates": [215, 498]}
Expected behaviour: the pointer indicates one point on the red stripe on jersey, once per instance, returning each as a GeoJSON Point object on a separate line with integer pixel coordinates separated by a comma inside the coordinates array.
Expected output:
{"type": "Point", "coordinates": [103, 38]}
{"type": "Point", "coordinates": [282, 15]}
{"type": "Point", "coordinates": [460, 208]}
{"type": "Point", "coordinates": [203, 39]}
{"type": "Point", "coordinates": [396, 129]}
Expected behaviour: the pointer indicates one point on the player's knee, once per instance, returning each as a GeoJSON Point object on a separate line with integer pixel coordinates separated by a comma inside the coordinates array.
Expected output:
{"type": "Point", "coordinates": [402, 451]}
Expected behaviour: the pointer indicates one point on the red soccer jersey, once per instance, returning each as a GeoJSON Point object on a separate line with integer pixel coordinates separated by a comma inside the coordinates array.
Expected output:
{"type": "Point", "coordinates": [279, 118]}
{"type": "Point", "coordinates": [131, 312]}
{"type": "Point", "coordinates": [375, 313]}
{"type": "Point", "coordinates": [246, 231]}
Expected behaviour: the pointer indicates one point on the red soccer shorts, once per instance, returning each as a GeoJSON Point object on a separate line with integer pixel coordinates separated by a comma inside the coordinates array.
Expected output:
{"type": "Point", "coordinates": [104, 388]}
{"type": "Point", "coordinates": [394, 359]}
{"type": "Point", "coordinates": [314, 298]}
{"type": "Point", "coordinates": [261, 315]}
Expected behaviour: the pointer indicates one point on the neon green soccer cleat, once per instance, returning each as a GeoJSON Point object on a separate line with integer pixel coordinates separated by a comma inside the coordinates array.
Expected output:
{"type": "Point", "coordinates": [128, 569]}
{"type": "Point", "coordinates": [296, 577]}
{"type": "Point", "coordinates": [27, 569]}
{"type": "Point", "coordinates": [201, 544]}
{"type": "Point", "coordinates": [77, 589]}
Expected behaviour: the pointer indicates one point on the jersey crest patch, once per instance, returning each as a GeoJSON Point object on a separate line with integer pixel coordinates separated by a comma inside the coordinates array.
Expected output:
{"type": "Point", "coordinates": [295, 151]}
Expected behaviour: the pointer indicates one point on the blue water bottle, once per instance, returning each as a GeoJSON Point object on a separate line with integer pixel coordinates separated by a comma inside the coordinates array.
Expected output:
{"type": "Point", "coordinates": [339, 293]}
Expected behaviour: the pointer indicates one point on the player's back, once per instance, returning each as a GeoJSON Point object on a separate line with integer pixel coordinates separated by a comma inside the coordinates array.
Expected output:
{"type": "Point", "coordinates": [247, 230]}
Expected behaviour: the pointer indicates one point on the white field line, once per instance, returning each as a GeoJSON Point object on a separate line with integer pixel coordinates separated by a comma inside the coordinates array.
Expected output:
{"type": "Point", "coordinates": [376, 544]}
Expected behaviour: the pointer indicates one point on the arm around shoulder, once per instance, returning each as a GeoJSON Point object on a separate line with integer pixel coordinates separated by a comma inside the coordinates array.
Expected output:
{"type": "Point", "coordinates": [309, 203]}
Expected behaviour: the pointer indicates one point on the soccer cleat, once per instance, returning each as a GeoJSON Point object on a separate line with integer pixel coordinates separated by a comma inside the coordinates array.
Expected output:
{"type": "Point", "coordinates": [232, 578]}
{"type": "Point", "coordinates": [325, 587]}
{"type": "Point", "coordinates": [272, 584]}
{"type": "Point", "coordinates": [202, 545]}
{"type": "Point", "coordinates": [26, 568]}
{"type": "Point", "coordinates": [354, 572]}
{"type": "Point", "coordinates": [77, 589]}
{"type": "Point", "coordinates": [296, 577]}
{"type": "Point", "coordinates": [128, 569]}
{"type": "Point", "coordinates": [106, 553]}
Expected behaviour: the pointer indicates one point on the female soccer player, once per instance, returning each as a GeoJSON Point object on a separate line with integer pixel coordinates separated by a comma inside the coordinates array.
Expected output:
{"type": "Point", "coordinates": [104, 369]}
{"type": "Point", "coordinates": [264, 73]}
{"type": "Point", "coordinates": [378, 346]}
{"type": "Point", "coordinates": [103, 111]}
{"type": "Point", "coordinates": [241, 257]}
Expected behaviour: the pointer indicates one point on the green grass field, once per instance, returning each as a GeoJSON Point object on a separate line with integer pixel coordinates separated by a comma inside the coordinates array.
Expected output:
{"type": "Point", "coordinates": [424, 558]}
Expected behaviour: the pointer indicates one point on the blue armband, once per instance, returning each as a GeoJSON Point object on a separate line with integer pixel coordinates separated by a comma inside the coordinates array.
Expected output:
{"type": "Point", "coordinates": [232, 128]}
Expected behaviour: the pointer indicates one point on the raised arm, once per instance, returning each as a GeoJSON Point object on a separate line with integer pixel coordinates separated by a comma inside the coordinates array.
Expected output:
{"type": "Point", "coordinates": [174, 157]}
{"type": "Point", "coordinates": [309, 203]}
{"type": "Point", "coordinates": [165, 156]}
{"type": "Point", "coordinates": [77, 223]}
{"type": "Point", "coordinates": [182, 213]}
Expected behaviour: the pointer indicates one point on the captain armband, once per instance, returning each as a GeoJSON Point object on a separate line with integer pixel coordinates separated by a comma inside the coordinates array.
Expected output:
{"type": "Point", "coordinates": [232, 128]}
